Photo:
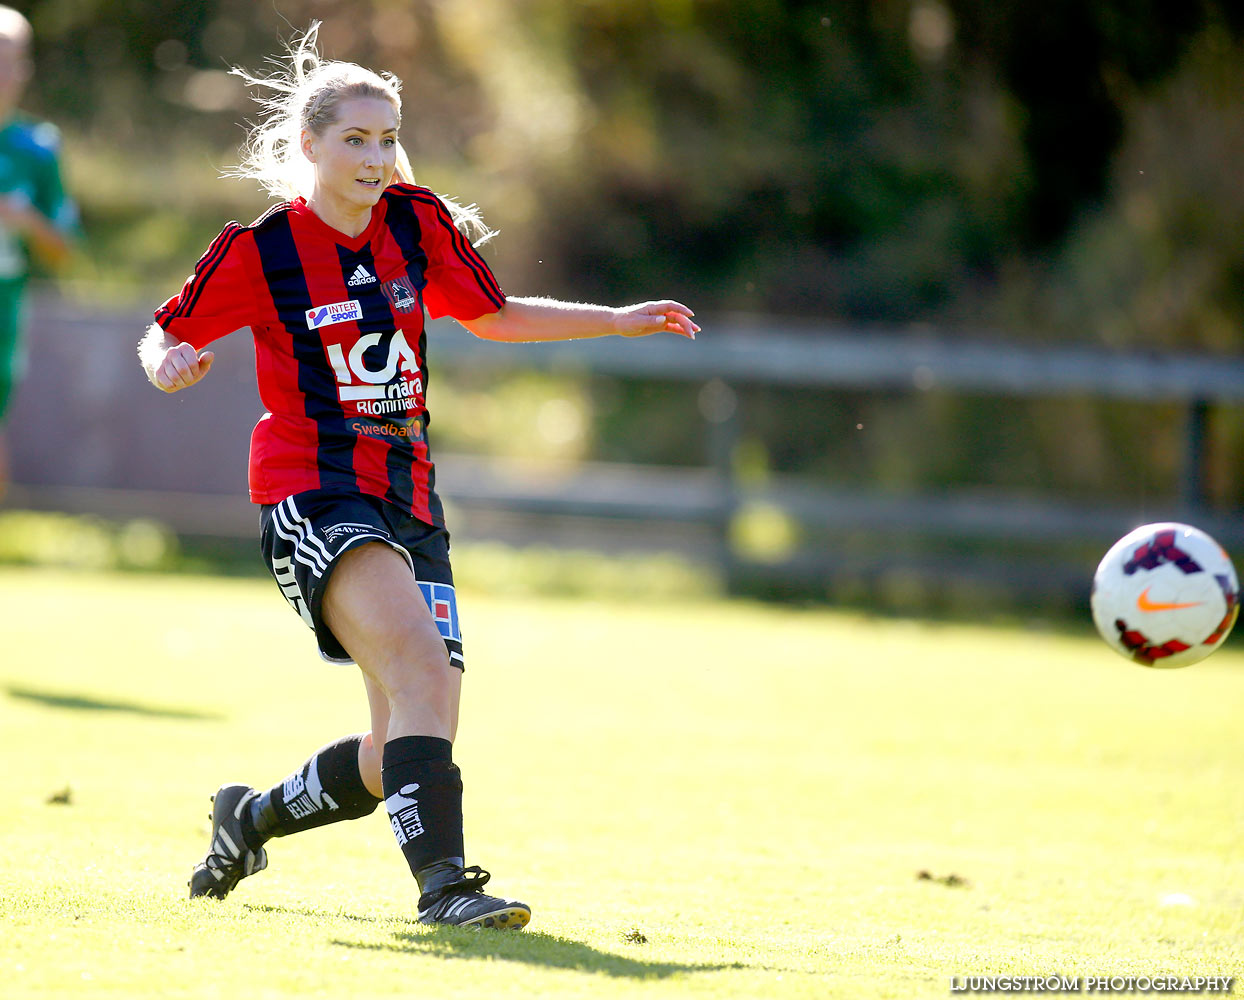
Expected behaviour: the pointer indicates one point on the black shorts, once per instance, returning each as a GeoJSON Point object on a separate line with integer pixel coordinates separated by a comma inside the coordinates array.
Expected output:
{"type": "Point", "coordinates": [304, 535]}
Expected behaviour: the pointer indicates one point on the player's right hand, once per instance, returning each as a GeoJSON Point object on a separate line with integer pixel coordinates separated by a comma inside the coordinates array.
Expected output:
{"type": "Point", "coordinates": [181, 367]}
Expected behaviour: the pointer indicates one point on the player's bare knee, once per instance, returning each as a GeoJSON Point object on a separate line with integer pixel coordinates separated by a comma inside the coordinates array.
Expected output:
{"type": "Point", "coordinates": [406, 668]}
{"type": "Point", "coordinates": [428, 683]}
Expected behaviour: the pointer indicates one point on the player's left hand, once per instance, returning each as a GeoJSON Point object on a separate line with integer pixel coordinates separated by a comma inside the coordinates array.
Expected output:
{"type": "Point", "coordinates": [647, 318]}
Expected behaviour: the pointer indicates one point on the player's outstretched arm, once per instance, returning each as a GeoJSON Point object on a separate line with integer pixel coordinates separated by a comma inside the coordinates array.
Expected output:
{"type": "Point", "coordinates": [171, 364]}
{"type": "Point", "coordinates": [521, 320]}
{"type": "Point", "coordinates": [52, 246]}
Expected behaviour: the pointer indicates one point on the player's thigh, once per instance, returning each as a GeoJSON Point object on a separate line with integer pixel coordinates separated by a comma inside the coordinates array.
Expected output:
{"type": "Point", "coordinates": [374, 606]}
{"type": "Point", "coordinates": [428, 548]}
{"type": "Point", "coordinates": [303, 538]}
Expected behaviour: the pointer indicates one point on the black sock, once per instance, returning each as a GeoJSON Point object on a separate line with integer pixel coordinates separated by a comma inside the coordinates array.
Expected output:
{"type": "Point", "coordinates": [328, 788]}
{"type": "Point", "coordinates": [423, 794]}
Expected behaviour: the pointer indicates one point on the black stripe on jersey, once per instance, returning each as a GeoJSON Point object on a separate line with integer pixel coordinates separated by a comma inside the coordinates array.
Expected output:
{"type": "Point", "coordinates": [270, 211]}
{"type": "Point", "coordinates": [404, 226]}
{"type": "Point", "coordinates": [287, 284]}
{"type": "Point", "coordinates": [378, 318]}
{"type": "Point", "coordinates": [466, 253]}
{"type": "Point", "coordinates": [462, 247]}
{"type": "Point", "coordinates": [408, 234]}
{"type": "Point", "coordinates": [435, 508]}
{"type": "Point", "coordinates": [203, 270]}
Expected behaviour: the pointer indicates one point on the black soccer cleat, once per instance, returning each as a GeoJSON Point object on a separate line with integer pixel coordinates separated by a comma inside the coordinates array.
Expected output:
{"type": "Point", "coordinates": [228, 859]}
{"type": "Point", "coordinates": [454, 895]}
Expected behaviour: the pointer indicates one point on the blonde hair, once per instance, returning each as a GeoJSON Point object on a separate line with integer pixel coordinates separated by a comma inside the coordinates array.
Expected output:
{"type": "Point", "coordinates": [306, 92]}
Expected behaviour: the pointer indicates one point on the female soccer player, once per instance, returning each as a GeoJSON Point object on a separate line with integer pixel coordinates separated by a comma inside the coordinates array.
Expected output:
{"type": "Point", "coordinates": [333, 286]}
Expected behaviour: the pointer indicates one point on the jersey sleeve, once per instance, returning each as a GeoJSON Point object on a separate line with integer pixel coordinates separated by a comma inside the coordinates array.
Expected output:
{"type": "Point", "coordinates": [460, 284]}
{"type": "Point", "coordinates": [218, 297]}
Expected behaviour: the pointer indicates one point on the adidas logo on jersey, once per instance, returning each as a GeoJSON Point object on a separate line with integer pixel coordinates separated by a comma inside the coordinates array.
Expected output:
{"type": "Point", "coordinates": [361, 276]}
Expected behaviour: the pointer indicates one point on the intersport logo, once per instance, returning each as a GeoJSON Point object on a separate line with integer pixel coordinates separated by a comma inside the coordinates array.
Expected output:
{"type": "Point", "coordinates": [337, 312]}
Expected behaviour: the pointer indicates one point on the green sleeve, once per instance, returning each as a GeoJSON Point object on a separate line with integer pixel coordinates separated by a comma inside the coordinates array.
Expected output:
{"type": "Point", "coordinates": [50, 197]}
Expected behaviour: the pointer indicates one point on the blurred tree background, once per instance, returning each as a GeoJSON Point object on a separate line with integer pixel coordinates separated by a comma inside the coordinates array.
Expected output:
{"type": "Point", "coordinates": [1038, 169]}
{"type": "Point", "coordinates": [1058, 172]}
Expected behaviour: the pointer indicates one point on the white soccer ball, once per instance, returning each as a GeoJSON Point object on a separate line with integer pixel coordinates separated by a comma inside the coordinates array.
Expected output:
{"type": "Point", "coordinates": [1165, 595]}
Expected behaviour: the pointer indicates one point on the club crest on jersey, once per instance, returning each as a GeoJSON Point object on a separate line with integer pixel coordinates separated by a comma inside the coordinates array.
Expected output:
{"type": "Point", "coordinates": [401, 294]}
{"type": "Point", "coordinates": [337, 312]}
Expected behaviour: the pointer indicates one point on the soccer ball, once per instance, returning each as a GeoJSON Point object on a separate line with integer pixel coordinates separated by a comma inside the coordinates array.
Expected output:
{"type": "Point", "coordinates": [1165, 595]}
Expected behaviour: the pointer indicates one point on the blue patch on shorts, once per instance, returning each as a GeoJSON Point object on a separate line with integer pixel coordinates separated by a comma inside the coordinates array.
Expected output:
{"type": "Point", "coordinates": [443, 604]}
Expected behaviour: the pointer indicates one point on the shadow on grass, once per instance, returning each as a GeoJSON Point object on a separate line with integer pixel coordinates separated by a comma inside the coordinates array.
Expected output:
{"type": "Point", "coordinates": [531, 947]}
{"type": "Point", "coordinates": [82, 703]}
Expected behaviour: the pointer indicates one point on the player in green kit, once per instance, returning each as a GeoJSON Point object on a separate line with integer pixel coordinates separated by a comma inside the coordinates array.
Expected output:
{"type": "Point", "coordinates": [36, 218]}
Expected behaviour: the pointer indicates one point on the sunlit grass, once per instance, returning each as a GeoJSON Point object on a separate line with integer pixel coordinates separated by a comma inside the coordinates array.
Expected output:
{"type": "Point", "coordinates": [710, 799]}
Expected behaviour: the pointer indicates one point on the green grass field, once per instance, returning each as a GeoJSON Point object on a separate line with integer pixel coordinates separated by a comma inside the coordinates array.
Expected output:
{"type": "Point", "coordinates": [707, 799]}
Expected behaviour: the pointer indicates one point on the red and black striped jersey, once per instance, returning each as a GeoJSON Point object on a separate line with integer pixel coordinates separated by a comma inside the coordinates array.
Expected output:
{"type": "Point", "coordinates": [340, 345]}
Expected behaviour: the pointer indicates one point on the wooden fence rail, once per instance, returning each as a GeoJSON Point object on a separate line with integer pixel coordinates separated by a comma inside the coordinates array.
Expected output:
{"type": "Point", "coordinates": [89, 434]}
